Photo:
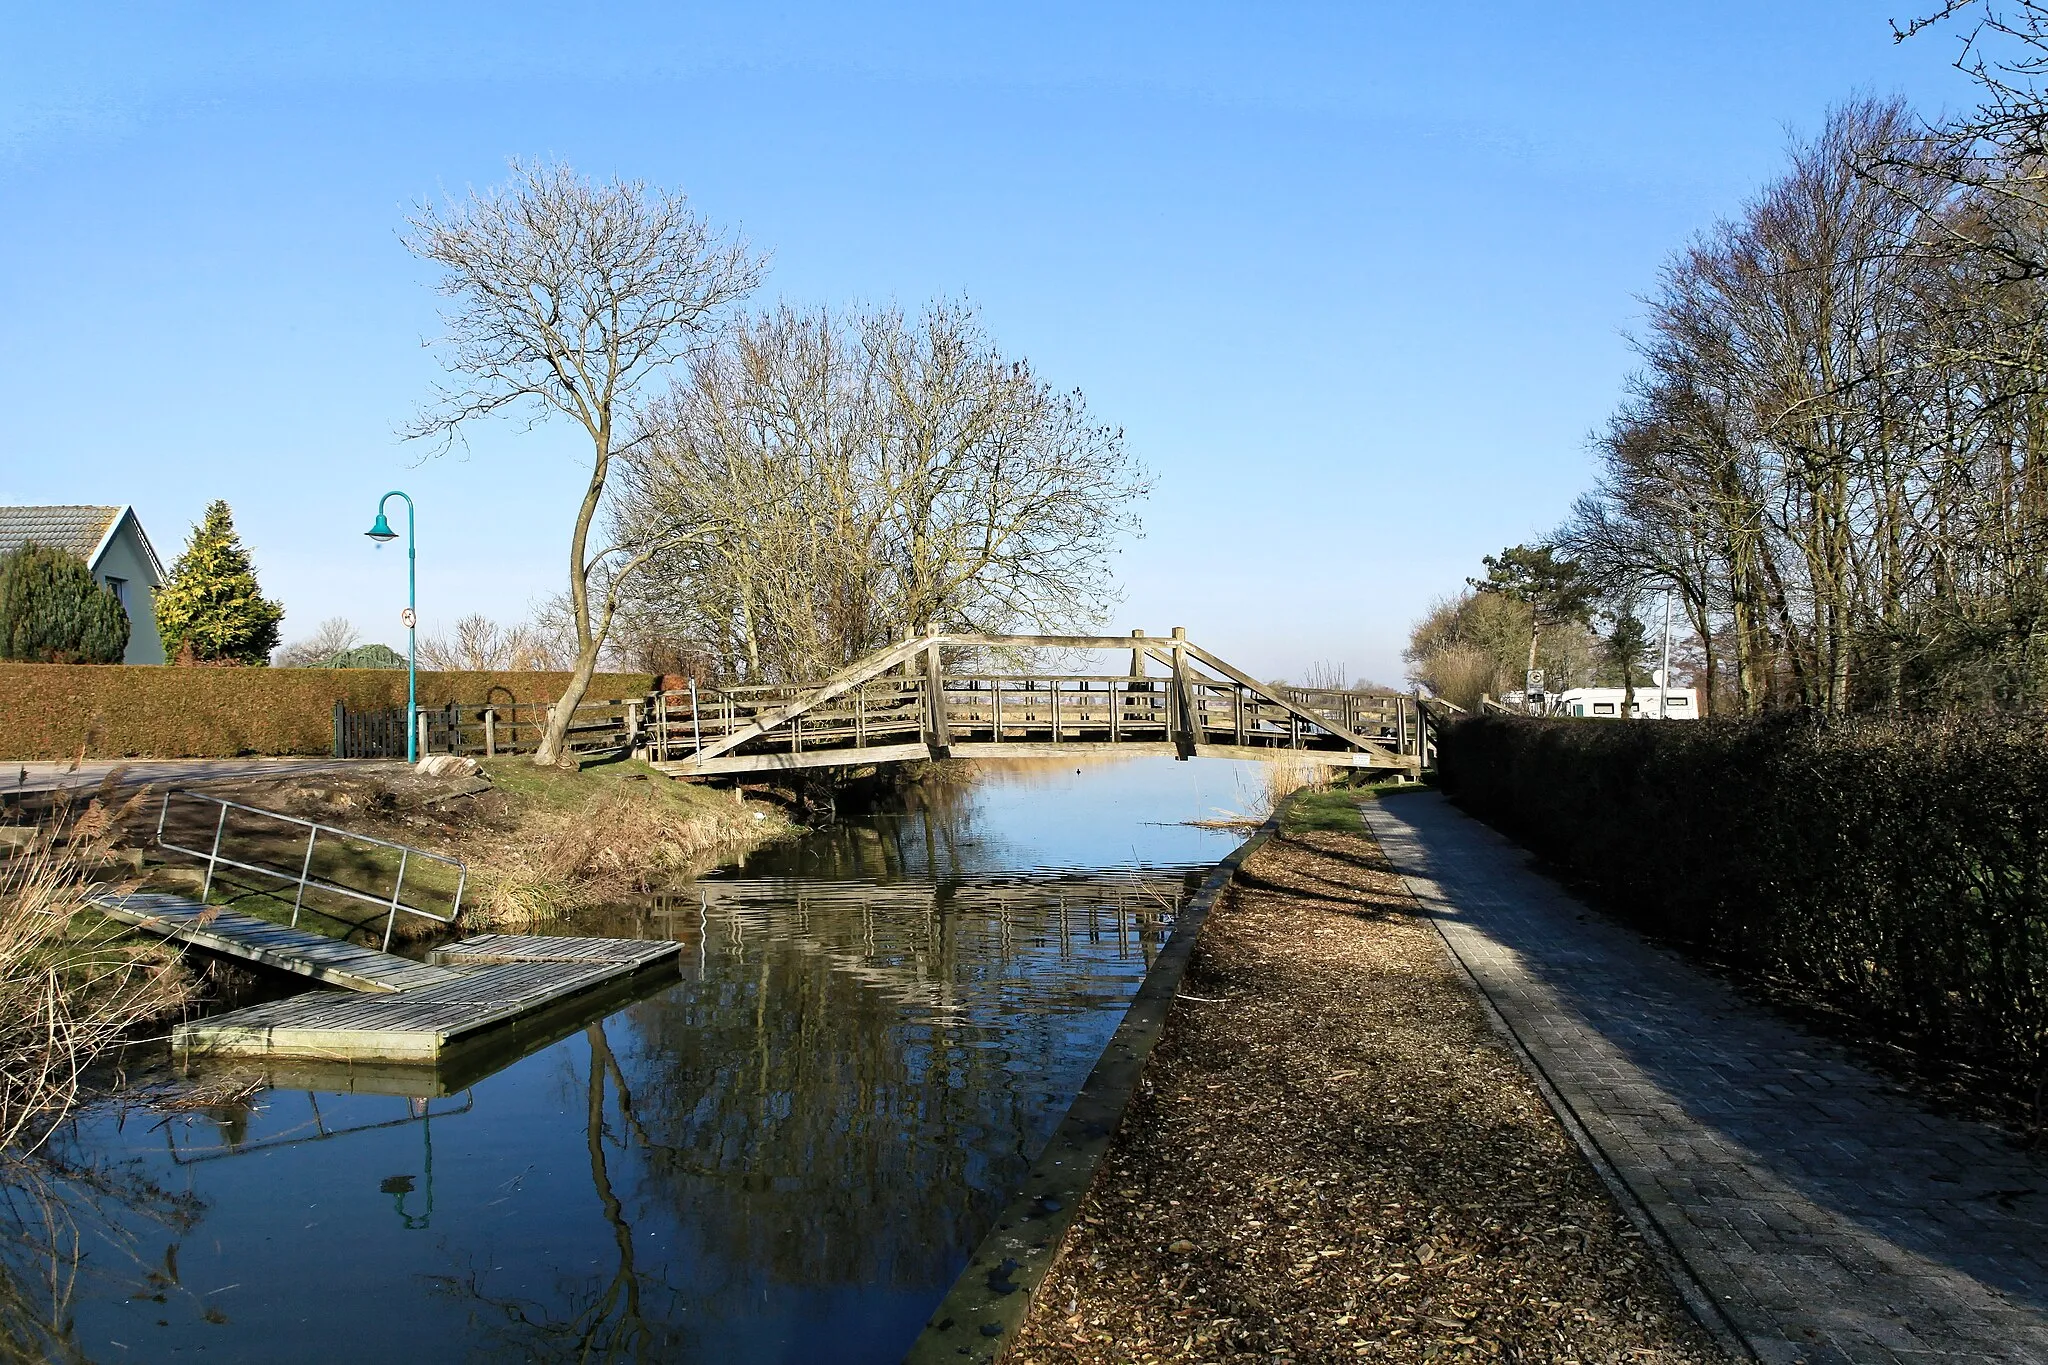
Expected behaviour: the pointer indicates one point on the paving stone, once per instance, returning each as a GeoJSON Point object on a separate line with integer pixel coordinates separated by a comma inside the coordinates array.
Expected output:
{"type": "Point", "coordinates": [1826, 1215]}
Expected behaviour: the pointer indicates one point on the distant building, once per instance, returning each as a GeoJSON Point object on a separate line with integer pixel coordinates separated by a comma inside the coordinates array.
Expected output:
{"type": "Point", "coordinates": [1607, 702]}
{"type": "Point", "coordinates": [111, 542]}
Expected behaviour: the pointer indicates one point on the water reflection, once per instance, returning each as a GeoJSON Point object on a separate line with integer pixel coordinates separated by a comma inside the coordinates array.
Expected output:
{"type": "Point", "coordinates": [602, 1316]}
{"type": "Point", "coordinates": [75, 1229]}
{"type": "Point", "coordinates": [785, 1154]}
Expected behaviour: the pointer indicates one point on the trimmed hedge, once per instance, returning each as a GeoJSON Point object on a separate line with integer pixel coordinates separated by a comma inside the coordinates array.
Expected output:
{"type": "Point", "coordinates": [1895, 870]}
{"type": "Point", "coordinates": [48, 711]}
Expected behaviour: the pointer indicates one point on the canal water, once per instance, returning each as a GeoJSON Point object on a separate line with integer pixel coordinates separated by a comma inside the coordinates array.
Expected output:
{"type": "Point", "coordinates": [785, 1156]}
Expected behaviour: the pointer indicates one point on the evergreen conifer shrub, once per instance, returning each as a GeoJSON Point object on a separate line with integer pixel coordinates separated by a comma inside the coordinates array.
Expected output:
{"type": "Point", "coordinates": [211, 609]}
{"type": "Point", "coordinates": [364, 656]}
{"type": "Point", "coordinates": [52, 611]}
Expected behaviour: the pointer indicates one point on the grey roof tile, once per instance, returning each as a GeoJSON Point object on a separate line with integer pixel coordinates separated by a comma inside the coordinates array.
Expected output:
{"type": "Point", "coordinates": [77, 529]}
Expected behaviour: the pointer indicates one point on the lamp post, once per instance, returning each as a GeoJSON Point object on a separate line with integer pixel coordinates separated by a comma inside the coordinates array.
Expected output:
{"type": "Point", "coordinates": [382, 532]}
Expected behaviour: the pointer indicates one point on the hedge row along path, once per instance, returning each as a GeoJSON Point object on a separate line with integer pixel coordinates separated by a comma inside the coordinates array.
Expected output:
{"type": "Point", "coordinates": [1826, 1215]}
{"type": "Point", "coordinates": [53, 711]}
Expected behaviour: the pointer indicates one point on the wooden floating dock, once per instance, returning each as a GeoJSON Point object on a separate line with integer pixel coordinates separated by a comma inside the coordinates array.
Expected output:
{"type": "Point", "coordinates": [218, 929]}
{"type": "Point", "coordinates": [461, 1063]}
{"type": "Point", "coordinates": [392, 1010]}
{"type": "Point", "coordinates": [422, 1024]}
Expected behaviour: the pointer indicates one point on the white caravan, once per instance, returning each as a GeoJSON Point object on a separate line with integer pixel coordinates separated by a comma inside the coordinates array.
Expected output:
{"type": "Point", "coordinates": [1607, 703]}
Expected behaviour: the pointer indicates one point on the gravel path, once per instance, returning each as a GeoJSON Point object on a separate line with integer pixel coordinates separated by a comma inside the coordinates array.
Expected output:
{"type": "Point", "coordinates": [1334, 1157]}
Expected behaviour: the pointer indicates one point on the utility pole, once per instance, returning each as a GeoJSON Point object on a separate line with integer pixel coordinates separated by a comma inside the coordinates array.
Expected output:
{"type": "Point", "coordinates": [1664, 673]}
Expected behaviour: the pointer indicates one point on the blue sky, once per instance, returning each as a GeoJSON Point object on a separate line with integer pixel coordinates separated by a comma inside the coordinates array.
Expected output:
{"type": "Point", "coordinates": [1354, 279]}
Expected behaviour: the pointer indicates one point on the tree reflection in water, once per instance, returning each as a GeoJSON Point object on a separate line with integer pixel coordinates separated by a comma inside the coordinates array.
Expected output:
{"type": "Point", "coordinates": [790, 1151]}
{"type": "Point", "coordinates": [604, 1316]}
{"type": "Point", "coordinates": [56, 1204]}
{"type": "Point", "coordinates": [849, 1085]}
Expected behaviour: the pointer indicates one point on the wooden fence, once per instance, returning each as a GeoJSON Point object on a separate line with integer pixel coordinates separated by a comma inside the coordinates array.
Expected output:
{"type": "Point", "coordinates": [487, 729]}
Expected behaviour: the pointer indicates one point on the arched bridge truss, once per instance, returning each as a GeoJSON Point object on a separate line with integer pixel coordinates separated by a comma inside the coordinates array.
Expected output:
{"type": "Point", "coordinates": [916, 700]}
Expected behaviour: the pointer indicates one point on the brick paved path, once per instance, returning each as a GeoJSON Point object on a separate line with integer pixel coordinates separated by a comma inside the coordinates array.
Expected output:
{"type": "Point", "coordinates": [1826, 1216]}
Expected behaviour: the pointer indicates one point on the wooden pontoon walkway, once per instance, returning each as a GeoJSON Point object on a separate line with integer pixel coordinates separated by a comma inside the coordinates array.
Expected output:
{"type": "Point", "coordinates": [515, 976]}
{"type": "Point", "coordinates": [917, 700]}
{"type": "Point", "coordinates": [236, 934]}
{"type": "Point", "coordinates": [392, 1009]}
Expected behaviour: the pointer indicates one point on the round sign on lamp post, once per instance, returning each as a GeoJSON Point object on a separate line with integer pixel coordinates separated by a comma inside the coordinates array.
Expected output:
{"type": "Point", "coordinates": [381, 532]}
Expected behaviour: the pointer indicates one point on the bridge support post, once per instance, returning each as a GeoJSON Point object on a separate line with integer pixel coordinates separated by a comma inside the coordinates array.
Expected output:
{"type": "Point", "coordinates": [940, 738]}
{"type": "Point", "coordinates": [1186, 735]}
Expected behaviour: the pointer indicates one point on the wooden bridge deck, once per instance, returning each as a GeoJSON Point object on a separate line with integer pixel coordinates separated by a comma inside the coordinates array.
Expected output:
{"type": "Point", "coordinates": [903, 703]}
{"type": "Point", "coordinates": [236, 934]}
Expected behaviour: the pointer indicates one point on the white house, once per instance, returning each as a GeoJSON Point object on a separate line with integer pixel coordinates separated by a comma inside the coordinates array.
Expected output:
{"type": "Point", "coordinates": [1680, 703]}
{"type": "Point", "coordinates": [111, 542]}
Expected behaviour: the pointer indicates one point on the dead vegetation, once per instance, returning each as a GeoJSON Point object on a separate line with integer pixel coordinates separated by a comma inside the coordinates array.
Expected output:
{"type": "Point", "coordinates": [1332, 1157]}
{"type": "Point", "coordinates": [1279, 779]}
{"type": "Point", "coordinates": [70, 983]}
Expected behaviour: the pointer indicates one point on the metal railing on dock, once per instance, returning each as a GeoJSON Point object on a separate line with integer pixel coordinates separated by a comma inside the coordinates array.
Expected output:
{"type": "Point", "coordinates": [303, 879]}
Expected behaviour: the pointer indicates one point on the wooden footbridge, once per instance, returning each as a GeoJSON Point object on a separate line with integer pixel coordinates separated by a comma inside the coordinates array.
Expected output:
{"type": "Point", "coordinates": [920, 699]}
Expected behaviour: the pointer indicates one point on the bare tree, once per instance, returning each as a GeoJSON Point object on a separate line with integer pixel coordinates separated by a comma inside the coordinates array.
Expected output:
{"type": "Point", "coordinates": [1837, 453]}
{"type": "Point", "coordinates": [1325, 676]}
{"type": "Point", "coordinates": [564, 296]}
{"type": "Point", "coordinates": [894, 474]}
{"type": "Point", "coordinates": [334, 635]}
{"type": "Point", "coordinates": [478, 645]}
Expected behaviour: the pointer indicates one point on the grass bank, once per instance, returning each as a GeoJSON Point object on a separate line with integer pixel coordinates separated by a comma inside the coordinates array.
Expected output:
{"type": "Point", "coordinates": [539, 843]}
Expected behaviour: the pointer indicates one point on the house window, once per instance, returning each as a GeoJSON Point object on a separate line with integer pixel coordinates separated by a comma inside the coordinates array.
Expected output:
{"type": "Point", "coordinates": [119, 587]}
{"type": "Point", "coordinates": [1603, 708]}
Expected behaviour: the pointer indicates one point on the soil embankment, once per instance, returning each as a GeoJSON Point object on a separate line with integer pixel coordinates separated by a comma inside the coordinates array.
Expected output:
{"type": "Point", "coordinates": [1333, 1157]}
{"type": "Point", "coordinates": [538, 843]}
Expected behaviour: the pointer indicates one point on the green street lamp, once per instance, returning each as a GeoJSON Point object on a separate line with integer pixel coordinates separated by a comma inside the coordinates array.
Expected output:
{"type": "Point", "coordinates": [382, 532]}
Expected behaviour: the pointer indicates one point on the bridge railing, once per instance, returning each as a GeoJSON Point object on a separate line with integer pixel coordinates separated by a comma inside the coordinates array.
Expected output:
{"type": "Point", "coordinates": [999, 709]}
{"type": "Point", "coordinates": [1390, 716]}
{"type": "Point", "coordinates": [884, 710]}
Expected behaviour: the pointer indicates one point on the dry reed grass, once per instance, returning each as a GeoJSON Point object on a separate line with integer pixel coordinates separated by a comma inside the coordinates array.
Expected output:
{"type": "Point", "coordinates": [617, 844]}
{"type": "Point", "coordinates": [1279, 779]}
{"type": "Point", "coordinates": [71, 981]}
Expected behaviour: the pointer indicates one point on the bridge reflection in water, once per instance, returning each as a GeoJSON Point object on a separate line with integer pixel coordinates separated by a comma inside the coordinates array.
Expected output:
{"type": "Point", "coordinates": [918, 699]}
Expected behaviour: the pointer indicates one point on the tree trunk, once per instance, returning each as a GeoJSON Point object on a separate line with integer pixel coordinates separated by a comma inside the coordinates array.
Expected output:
{"type": "Point", "coordinates": [554, 750]}
{"type": "Point", "coordinates": [554, 740]}
{"type": "Point", "coordinates": [1535, 634]}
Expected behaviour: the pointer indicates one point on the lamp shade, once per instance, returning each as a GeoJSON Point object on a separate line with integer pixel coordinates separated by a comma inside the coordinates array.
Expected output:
{"type": "Point", "coordinates": [382, 530]}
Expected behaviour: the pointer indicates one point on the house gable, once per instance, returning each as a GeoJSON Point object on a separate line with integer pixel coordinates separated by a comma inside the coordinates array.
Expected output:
{"type": "Point", "coordinates": [114, 546]}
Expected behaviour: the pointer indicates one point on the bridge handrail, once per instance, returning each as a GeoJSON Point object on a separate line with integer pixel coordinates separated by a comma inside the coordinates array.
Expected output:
{"type": "Point", "coordinates": [304, 878]}
{"type": "Point", "coordinates": [903, 692]}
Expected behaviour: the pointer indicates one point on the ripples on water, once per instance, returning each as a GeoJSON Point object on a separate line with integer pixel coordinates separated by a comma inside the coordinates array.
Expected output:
{"type": "Point", "coordinates": [788, 1154]}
